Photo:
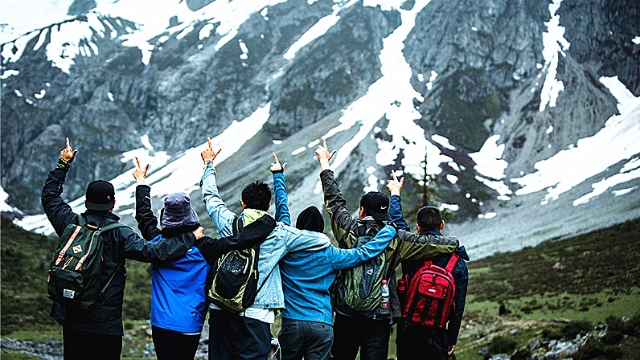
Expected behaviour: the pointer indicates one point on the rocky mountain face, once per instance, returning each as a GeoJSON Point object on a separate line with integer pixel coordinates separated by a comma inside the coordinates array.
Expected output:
{"type": "Point", "coordinates": [476, 64]}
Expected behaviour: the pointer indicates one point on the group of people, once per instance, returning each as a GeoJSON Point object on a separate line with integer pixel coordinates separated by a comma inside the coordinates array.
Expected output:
{"type": "Point", "coordinates": [296, 265]}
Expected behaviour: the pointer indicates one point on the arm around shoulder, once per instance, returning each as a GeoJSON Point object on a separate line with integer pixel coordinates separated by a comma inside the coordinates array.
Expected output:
{"type": "Point", "coordinates": [413, 246]}
{"type": "Point", "coordinates": [171, 248]}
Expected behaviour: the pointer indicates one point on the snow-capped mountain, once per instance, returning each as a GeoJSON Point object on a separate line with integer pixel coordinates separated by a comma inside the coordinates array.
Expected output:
{"type": "Point", "coordinates": [528, 112]}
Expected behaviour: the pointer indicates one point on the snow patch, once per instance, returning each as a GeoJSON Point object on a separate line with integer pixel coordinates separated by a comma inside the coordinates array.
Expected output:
{"type": "Point", "coordinates": [586, 158]}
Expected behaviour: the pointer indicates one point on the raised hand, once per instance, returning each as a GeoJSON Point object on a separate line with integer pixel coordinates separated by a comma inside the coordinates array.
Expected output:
{"type": "Point", "coordinates": [68, 154]}
{"type": "Point", "coordinates": [275, 166]}
{"type": "Point", "coordinates": [324, 155]}
{"type": "Point", "coordinates": [395, 185]}
{"type": "Point", "coordinates": [208, 154]}
{"type": "Point", "coordinates": [140, 172]}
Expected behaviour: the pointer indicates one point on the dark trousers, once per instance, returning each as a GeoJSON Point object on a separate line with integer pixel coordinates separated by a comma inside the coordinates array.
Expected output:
{"type": "Point", "coordinates": [309, 339]}
{"type": "Point", "coordinates": [172, 345]}
{"type": "Point", "coordinates": [232, 337]}
{"type": "Point", "coordinates": [81, 345]}
{"type": "Point", "coordinates": [352, 333]}
{"type": "Point", "coordinates": [415, 342]}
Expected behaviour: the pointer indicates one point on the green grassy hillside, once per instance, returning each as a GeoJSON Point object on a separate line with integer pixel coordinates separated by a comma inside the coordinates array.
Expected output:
{"type": "Point", "coordinates": [588, 279]}
{"type": "Point", "coordinates": [25, 258]}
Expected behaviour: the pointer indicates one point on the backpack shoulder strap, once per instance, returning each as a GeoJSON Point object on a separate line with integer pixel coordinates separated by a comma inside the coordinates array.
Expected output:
{"type": "Point", "coordinates": [111, 226]}
{"type": "Point", "coordinates": [362, 230]}
{"type": "Point", "coordinates": [452, 262]}
{"type": "Point", "coordinates": [237, 225]}
{"type": "Point", "coordinates": [265, 280]}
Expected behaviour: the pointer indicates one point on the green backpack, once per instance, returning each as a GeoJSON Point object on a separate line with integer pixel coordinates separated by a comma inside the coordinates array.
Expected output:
{"type": "Point", "coordinates": [76, 272]}
{"type": "Point", "coordinates": [358, 291]}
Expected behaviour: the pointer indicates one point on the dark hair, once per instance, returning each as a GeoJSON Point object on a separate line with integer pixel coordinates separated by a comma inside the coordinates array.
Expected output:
{"type": "Point", "coordinates": [429, 218]}
{"type": "Point", "coordinates": [257, 195]}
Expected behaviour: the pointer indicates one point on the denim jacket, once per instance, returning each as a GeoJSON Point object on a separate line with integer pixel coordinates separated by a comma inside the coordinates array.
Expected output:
{"type": "Point", "coordinates": [282, 240]}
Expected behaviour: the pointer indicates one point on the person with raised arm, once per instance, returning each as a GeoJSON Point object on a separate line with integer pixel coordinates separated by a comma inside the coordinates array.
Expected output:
{"type": "Point", "coordinates": [178, 287]}
{"type": "Point", "coordinates": [99, 328]}
{"type": "Point", "coordinates": [362, 333]}
{"type": "Point", "coordinates": [307, 325]}
{"type": "Point", "coordinates": [247, 335]}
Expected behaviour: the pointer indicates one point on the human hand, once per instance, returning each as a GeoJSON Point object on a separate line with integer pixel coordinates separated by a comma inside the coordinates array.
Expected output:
{"type": "Point", "coordinates": [395, 185]}
{"type": "Point", "coordinates": [275, 166]}
{"type": "Point", "coordinates": [68, 154]}
{"type": "Point", "coordinates": [209, 154]}
{"type": "Point", "coordinates": [198, 233]}
{"type": "Point", "coordinates": [140, 172]}
{"type": "Point", "coordinates": [322, 151]}
{"type": "Point", "coordinates": [450, 349]}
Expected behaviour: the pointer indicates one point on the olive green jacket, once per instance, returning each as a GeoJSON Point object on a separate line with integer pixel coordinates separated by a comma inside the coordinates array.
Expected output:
{"type": "Point", "coordinates": [404, 246]}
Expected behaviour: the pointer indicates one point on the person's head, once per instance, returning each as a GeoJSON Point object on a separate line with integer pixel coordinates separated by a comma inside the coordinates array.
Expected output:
{"type": "Point", "coordinates": [429, 219]}
{"type": "Point", "coordinates": [256, 195]}
{"type": "Point", "coordinates": [310, 219]}
{"type": "Point", "coordinates": [178, 213]}
{"type": "Point", "coordinates": [100, 196]}
{"type": "Point", "coordinates": [375, 204]}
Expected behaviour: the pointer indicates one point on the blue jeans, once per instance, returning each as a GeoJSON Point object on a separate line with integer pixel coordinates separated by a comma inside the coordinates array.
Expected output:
{"type": "Point", "coordinates": [309, 339]}
{"type": "Point", "coordinates": [233, 337]}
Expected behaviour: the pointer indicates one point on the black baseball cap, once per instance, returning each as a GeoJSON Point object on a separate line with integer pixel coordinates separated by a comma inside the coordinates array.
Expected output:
{"type": "Point", "coordinates": [376, 204]}
{"type": "Point", "coordinates": [100, 195]}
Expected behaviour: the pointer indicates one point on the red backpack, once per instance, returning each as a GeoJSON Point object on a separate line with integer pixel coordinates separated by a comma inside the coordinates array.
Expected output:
{"type": "Point", "coordinates": [430, 294]}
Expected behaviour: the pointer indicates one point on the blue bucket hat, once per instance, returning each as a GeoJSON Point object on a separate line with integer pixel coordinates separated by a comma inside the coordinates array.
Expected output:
{"type": "Point", "coordinates": [177, 212]}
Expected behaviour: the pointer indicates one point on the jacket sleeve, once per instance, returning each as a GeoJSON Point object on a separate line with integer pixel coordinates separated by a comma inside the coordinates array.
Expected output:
{"type": "Point", "coordinates": [218, 212]}
{"type": "Point", "coordinates": [347, 258]}
{"type": "Point", "coordinates": [57, 210]}
{"type": "Point", "coordinates": [299, 240]}
{"type": "Point", "coordinates": [281, 198]}
{"type": "Point", "coordinates": [424, 246]}
{"type": "Point", "coordinates": [139, 249]}
{"type": "Point", "coordinates": [147, 221]}
{"type": "Point", "coordinates": [251, 234]}
{"type": "Point", "coordinates": [395, 211]}
{"type": "Point", "coordinates": [461, 276]}
{"type": "Point", "coordinates": [341, 221]}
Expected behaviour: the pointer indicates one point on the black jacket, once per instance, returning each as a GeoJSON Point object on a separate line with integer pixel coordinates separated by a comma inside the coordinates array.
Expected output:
{"type": "Point", "coordinates": [119, 244]}
{"type": "Point", "coordinates": [210, 248]}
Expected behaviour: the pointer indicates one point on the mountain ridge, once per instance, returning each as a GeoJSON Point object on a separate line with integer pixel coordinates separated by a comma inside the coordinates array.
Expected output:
{"type": "Point", "coordinates": [498, 97]}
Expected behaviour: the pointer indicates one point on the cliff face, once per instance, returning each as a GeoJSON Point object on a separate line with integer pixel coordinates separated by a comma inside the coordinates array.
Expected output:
{"type": "Point", "coordinates": [478, 69]}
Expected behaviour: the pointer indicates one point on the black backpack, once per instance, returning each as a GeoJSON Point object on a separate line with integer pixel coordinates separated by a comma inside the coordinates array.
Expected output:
{"type": "Point", "coordinates": [358, 291]}
{"type": "Point", "coordinates": [75, 274]}
{"type": "Point", "coordinates": [235, 277]}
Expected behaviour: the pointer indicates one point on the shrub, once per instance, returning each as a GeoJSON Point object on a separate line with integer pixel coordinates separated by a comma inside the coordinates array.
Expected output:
{"type": "Point", "coordinates": [594, 349]}
{"type": "Point", "coordinates": [576, 327]}
{"type": "Point", "coordinates": [502, 345]}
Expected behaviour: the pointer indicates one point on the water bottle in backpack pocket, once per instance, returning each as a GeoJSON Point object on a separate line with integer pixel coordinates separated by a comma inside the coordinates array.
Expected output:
{"type": "Point", "coordinates": [358, 291]}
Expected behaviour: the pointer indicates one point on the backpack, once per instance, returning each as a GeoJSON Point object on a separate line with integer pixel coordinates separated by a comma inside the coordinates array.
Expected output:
{"type": "Point", "coordinates": [358, 291]}
{"type": "Point", "coordinates": [234, 283]}
{"type": "Point", "coordinates": [75, 275]}
{"type": "Point", "coordinates": [430, 294]}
